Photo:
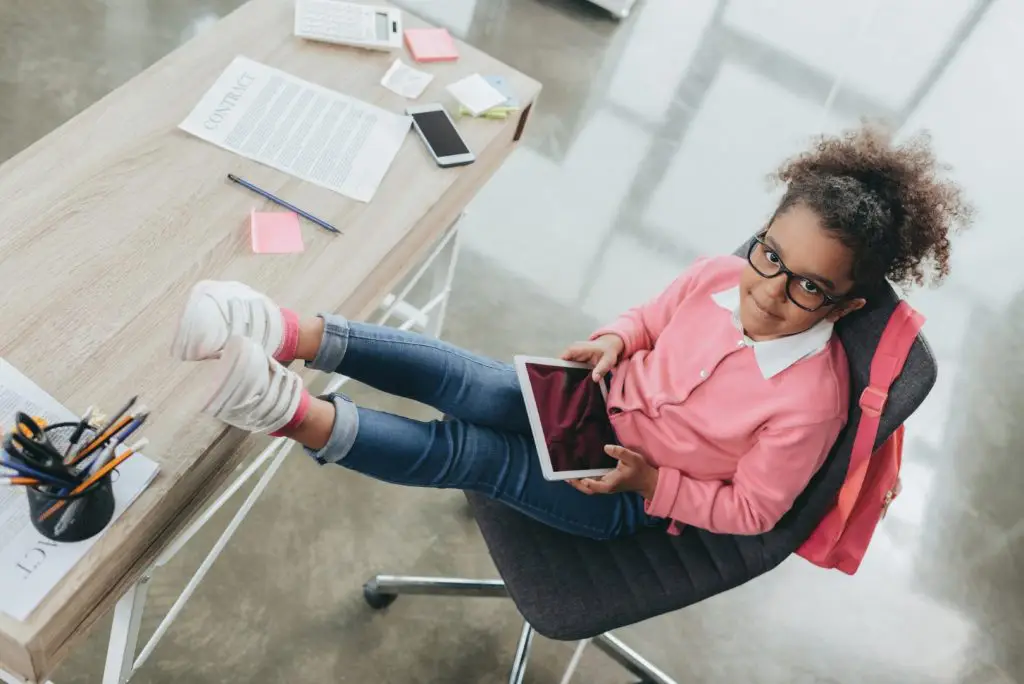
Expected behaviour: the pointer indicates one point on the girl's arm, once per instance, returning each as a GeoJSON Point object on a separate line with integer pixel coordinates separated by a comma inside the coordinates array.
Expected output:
{"type": "Point", "coordinates": [768, 479]}
{"type": "Point", "coordinates": [641, 326]}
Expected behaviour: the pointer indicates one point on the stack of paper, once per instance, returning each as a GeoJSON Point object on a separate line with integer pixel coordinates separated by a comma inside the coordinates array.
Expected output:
{"type": "Point", "coordinates": [484, 96]}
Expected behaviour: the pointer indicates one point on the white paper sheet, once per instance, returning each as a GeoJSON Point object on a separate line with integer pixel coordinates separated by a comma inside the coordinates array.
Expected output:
{"type": "Point", "coordinates": [403, 79]}
{"type": "Point", "coordinates": [316, 134]}
{"type": "Point", "coordinates": [476, 94]}
{"type": "Point", "coordinates": [30, 564]}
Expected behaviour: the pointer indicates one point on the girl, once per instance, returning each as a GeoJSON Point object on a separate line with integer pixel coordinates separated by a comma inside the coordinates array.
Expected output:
{"type": "Point", "coordinates": [728, 389]}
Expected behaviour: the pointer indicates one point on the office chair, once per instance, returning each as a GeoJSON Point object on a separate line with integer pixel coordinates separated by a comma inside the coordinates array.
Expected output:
{"type": "Point", "coordinates": [544, 571]}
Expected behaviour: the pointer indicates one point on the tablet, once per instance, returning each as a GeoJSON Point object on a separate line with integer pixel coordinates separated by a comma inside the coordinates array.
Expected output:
{"type": "Point", "coordinates": [568, 417]}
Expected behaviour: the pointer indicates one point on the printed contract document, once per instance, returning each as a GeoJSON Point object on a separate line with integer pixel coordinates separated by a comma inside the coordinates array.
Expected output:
{"type": "Point", "coordinates": [298, 127]}
{"type": "Point", "coordinates": [30, 564]}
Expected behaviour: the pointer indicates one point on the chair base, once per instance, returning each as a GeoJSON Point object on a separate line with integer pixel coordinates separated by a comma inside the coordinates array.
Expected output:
{"type": "Point", "coordinates": [636, 664]}
{"type": "Point", "coordinates": [381, 591]}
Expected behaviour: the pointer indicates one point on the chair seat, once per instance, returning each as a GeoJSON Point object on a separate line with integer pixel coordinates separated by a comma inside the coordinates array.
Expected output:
{"type": "Point", "coordinates": [570, 588]}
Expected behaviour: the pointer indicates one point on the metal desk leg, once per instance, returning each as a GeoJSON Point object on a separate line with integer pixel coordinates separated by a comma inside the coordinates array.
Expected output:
{"type": "Point", "coordinates": [428, 318]}
{"type": "Point", "coordinates": [207, 563]}
{"type": "Point", "coordinates": [124, 633]}
{"type": "Point", "coordinates": [7, 678]}
{"type": "Point", "coordinates": [441, 262]}
{"type": "Point", "coordinates": [121, 661]}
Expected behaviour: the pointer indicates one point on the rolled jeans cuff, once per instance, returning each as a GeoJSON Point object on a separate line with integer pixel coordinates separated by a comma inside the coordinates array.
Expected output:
{"type": "Point", "coordinates": [343, 433]}
{"type": "Point", "coordinates": [333, 344]}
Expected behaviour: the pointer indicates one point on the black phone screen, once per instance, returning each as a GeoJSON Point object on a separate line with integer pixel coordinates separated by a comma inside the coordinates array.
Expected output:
{"type": "Point", "coordinates": [440, 133]}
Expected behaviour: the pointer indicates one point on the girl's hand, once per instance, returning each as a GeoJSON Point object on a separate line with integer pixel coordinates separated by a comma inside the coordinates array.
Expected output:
{"type": "Point", "coordinates": [632, 474]}
{"type": "Point", "coordinates": [602, 353]}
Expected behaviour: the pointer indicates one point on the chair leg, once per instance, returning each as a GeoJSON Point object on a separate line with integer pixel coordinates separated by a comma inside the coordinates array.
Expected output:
{"type": "Point", "coordinates": [382, 590]}
{"type": "Point", "coordinates": [574, 662]}
{"type": "Point", "coordinates": [635, 663]}
{"type": "Point", "coordinates": [522, 655]}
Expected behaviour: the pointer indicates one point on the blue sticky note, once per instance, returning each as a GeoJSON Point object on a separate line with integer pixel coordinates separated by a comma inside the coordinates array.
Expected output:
{"type": "Point", "coordinates": [499, 84]}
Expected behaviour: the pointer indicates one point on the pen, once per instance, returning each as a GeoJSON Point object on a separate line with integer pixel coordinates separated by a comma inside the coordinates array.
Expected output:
{"type": "Point", "coordinates": [115, 425]}
{"type": "Point", "coordinates": [101, 458]}
{"type": "Point", "coordinates": [277, 200]}
{"type": "Point", "coordinates": [102, 472]}
{"type": "Point", "coordinates": [29, 471]}
{"type": "Point", "coordinates": [116, 416]}
{"type": "Point", "coordinates": [138, 418]}
{"type": "Point", "coordinates": [101, 439]}
{"type": "Point", "coordinates": [77, 434]}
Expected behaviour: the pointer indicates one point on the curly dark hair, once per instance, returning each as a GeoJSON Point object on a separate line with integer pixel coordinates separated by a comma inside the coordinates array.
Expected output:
{"type": "Point", "coordinates": [888, 203]}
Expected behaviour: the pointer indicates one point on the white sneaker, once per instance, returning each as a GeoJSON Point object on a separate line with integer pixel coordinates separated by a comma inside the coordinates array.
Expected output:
{"type": "Point", "coordinates": [254, 392]}
{"type": "Point", "coordinates": [218, 310]}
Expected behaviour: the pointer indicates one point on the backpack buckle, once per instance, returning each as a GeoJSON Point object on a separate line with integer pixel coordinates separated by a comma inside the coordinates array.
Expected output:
{"type": "Point", "coordinates": [872, 401]}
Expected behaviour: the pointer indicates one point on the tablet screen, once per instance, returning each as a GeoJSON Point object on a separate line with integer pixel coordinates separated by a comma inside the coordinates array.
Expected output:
{"type": "Point", "coordinates": [573, 416]}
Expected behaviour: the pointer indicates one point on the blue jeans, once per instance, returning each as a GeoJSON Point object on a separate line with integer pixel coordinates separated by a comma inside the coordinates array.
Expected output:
{"type": "Point", "coordinates": [485, 447]}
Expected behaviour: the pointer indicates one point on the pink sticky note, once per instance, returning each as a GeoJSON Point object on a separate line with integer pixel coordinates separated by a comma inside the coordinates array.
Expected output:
{"type": "Point", "coordinates": [275, 232]}
{"type": "Point", "coordinates": [431, 45]}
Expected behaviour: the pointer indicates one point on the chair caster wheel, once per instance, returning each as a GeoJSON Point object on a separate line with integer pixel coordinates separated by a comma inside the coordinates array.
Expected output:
{"type": "Point", "coordinates": [375, 599]}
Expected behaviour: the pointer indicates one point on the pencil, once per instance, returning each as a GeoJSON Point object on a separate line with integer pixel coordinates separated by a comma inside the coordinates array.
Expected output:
{"type": "Point", "coordinates": [28, 481]}
{"type": "Point", "coordinates": [138, 418]}
{"type": "Point", "coordinates": [114, 425]}
{"type": "Point", "coordinates": [102, 472]}
{"type": "Point", "coordinates": [117, 416]}
{"type": "Point", "coordinates": [28, 471]}
{"type": "Point", "coordinates": [100, 459]}
{"type": "Point", "coordinates": [101, 439]}
{"type": "Point", "coordinates": [287, 205]}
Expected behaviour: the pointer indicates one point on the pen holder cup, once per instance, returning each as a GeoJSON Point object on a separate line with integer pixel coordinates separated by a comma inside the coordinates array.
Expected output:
{"type": "Point", "coordinates": [79, 517]}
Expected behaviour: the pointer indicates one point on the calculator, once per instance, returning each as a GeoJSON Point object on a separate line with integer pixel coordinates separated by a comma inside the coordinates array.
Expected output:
{"type": "Point", "coordinates": [348, 23]}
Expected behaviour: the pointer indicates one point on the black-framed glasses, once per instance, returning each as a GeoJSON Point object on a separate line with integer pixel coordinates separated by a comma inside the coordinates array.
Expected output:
{"type": "Point", "coordinates": [800, 290]}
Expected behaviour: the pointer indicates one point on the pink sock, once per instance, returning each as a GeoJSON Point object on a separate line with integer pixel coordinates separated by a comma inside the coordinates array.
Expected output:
{"type": "Point", "coordinates": [290, 339]}
{"type": "Point", "coordinates": [300, 415]}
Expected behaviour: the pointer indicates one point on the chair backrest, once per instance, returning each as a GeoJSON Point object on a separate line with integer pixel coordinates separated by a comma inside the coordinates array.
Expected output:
{"type": "Point", "coordinates": [859, 333]}
{"type": "Point", "coordinates": [572, 588]}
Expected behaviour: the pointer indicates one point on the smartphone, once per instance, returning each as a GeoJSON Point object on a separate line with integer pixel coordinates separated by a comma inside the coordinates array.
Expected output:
{"type": "Point", "coordinates": [438, 131]}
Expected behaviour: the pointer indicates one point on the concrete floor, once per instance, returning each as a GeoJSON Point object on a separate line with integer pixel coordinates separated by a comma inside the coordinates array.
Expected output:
{"type": "Point", "coordinates": [649, 149]}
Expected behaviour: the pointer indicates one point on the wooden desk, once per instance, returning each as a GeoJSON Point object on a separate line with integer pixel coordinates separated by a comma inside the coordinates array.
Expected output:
{"type": "Point", "coordinates": [109, 220]}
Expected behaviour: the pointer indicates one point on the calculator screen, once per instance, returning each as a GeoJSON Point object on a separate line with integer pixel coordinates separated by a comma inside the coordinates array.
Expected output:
{"type": "Point", "coordinates": [381, 20]}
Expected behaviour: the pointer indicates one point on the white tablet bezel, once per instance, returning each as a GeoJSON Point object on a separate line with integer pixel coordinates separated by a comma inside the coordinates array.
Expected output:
{"type": "Point", "coordinates": [520, 363]}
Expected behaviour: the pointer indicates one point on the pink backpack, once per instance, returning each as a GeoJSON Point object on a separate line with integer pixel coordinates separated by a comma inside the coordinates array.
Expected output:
{"type": "Point", "coordinates": [873, 478]}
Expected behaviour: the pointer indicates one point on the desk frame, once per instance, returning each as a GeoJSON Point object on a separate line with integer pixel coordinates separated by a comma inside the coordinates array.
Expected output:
{"type": "Point", "coordinates": [428, 318]}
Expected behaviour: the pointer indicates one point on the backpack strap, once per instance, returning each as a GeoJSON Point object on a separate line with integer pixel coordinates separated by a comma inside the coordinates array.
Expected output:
{"type": "Point", "coordinates": [886, 365]}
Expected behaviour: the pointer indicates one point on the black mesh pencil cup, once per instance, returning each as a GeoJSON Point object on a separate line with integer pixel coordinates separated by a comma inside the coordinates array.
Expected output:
{"type": "Point", "coordinates": [79, 516]}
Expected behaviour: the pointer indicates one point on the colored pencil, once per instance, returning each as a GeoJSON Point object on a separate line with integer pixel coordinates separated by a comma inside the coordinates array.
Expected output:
{"type": "Point", "coordinates": [95, 477]}
{"type": "Point", "coordinates": [101, 439]}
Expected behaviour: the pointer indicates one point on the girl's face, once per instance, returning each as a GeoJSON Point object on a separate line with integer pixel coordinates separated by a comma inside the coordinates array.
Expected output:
{"type": "Point", "coordinates": [795, 241]}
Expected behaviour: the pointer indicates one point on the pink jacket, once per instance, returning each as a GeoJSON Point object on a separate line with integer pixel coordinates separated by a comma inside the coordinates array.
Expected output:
{"type": "Point", "coordinates": [736, 428]}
